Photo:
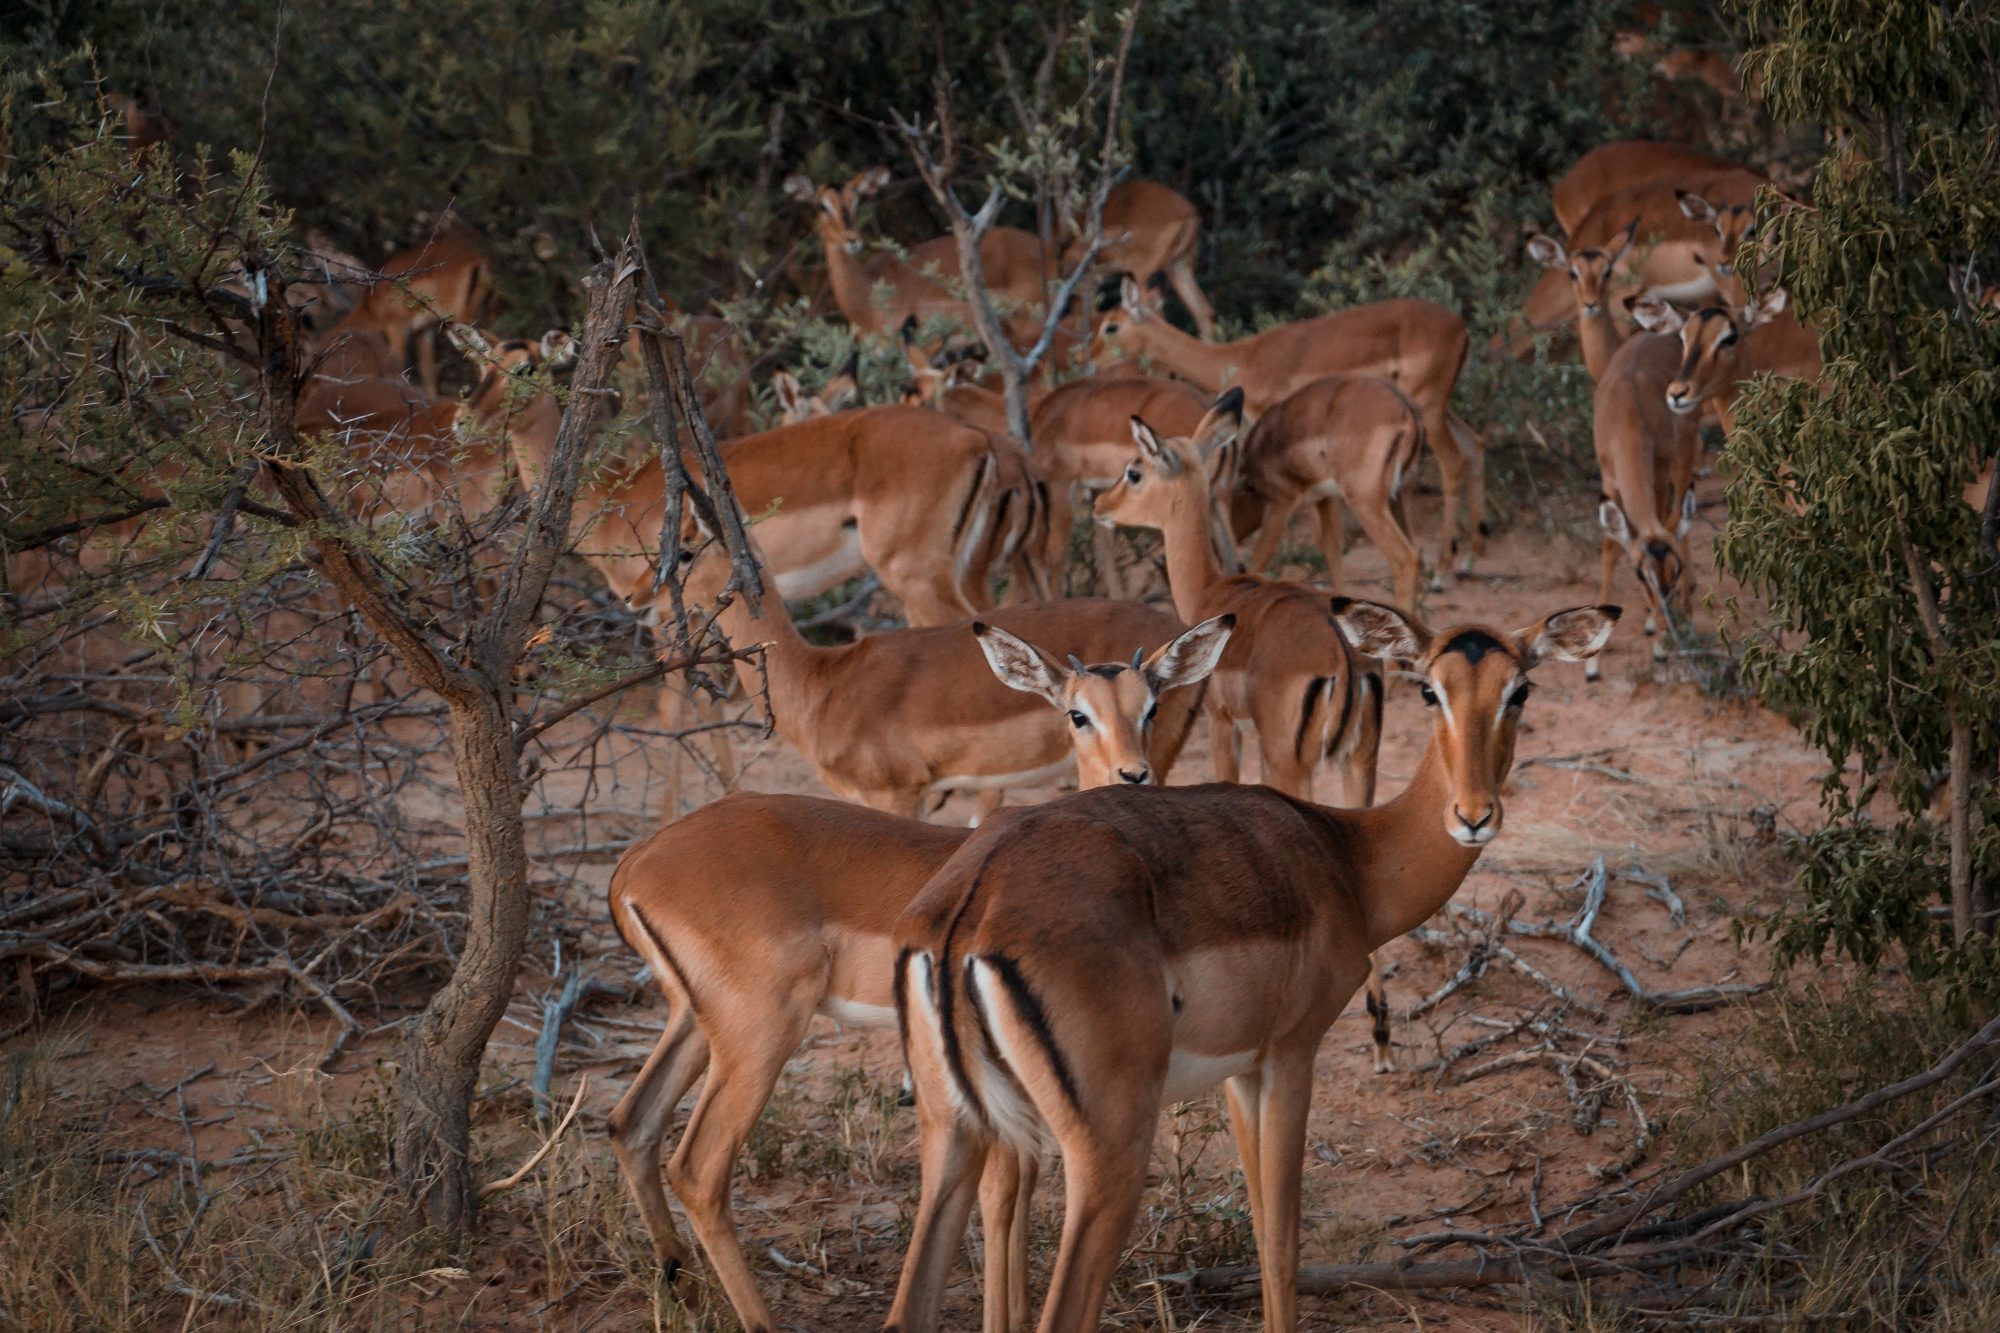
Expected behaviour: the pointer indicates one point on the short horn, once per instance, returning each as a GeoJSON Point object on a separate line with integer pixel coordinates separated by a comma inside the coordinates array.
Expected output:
{"type": "Point", "coordinates": [1076, 666]}
{"type": "Point", "coordinates": [1137, 655]}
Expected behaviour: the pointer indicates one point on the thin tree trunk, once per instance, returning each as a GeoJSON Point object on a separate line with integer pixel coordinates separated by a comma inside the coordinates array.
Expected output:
{"type": "Point", "coordinates": [1960, 797]}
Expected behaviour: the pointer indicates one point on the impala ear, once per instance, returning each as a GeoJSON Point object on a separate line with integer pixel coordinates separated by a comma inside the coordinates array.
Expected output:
{"type": "Point", "coordinates": [1150, 447]}
{"type": "Point", "coordinates": [1568, 636]}
{"type": "Point", "coordinates": [1611, 517]}
{"type": "Point", "coordinates": [1377, 630]}
{"type": "Point", "coordinates": [1547, 251]}
{"type": "Point", "coordinates": [785, 386]}
{"type": "Point", "coordinates": [841, 390]}
{"type": "Point", "coordinates": [1188, 659]}
{"type": "Point", "coordinates": [1689, 508]}
{"type": "Point", "coordinates": [559, 350]}
{"type": "Point", "coordinates": [1221, 425]}
{"type": "Point", "coordinates": [1770, 307]}
{"type": "Point", "coordinates": [1019, 664]}
{"type": "Point", "coordinates": [1695, 208]}
{"type": "Point", "coordinates": [800, 187]}
{"type": "Point", "coordinates": [1133, 299]}
{"type": "Point", "coordinates": [1625, 241]}
{"type": "Point", "coordinates": [1654, 315]}
{"type": "Point", "coordinates": [869, 182]}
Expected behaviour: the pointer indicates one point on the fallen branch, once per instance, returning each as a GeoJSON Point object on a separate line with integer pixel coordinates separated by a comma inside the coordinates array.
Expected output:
{"type": "Point", "coordinates": [493, 1187]}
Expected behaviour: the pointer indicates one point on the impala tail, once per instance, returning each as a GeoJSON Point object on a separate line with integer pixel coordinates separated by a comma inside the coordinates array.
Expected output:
{"type": "Point", "coordinates": [978, 1040]}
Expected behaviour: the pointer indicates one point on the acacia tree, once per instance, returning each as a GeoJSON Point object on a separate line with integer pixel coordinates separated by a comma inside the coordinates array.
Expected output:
{"type": "Point", "coordinates": [1855, 510]}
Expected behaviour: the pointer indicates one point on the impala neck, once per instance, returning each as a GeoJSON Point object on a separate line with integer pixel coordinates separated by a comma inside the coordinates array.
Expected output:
{"type": "Point", "coordinates": [788, 658]}
{"type": "Point", "coordinates": [1599, 336]}
{"type": "Point", "coordinates": [1411, 865]}
{"type": "Point", "coordinates": [1193, 567]}
{"type": "Point", "coordinates": [1206, 365]}
{"type": "Point", "coordinates": [852, 288]}
{"type": "Point", "coordinates": [531, 436]}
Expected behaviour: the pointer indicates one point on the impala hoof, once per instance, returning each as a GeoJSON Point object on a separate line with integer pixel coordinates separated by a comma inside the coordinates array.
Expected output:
{"type": "Point", "coordinates": [1384, 1064]}
{"type": "Point", "coordinates": [671, 1270]}
{"type": "Point", "coordinates": [1591, 673]}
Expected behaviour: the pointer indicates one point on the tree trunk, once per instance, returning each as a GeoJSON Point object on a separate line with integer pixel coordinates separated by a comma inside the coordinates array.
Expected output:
{"type": "Point", "coordinates": [1962, 925]}
{"type": "Point", "coordinates": [431, 1145]}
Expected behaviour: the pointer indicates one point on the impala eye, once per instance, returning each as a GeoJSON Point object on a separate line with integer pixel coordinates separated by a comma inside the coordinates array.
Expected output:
{"type": "Point", "coordinates": [1078, 720]}
{"type": "Point", "coordinates": [1726, 340]}
{"type": "Point", "coordinates": [1132, 475]}
{"type": "Point", "coordinates": [1428, 695]}
{"type": "Point", "coordinates": [1520, 695]}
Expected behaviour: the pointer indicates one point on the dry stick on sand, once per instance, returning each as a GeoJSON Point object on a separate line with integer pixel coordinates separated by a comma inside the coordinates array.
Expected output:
{"type": "Point", "coordinates": [493, 1187]}
{"type": "Point", "coordinates": [1623, 1241]}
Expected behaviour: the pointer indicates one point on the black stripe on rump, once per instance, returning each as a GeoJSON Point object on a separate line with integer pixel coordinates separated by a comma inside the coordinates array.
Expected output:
{"type": "Point", "coordinates": [1029, 1008]}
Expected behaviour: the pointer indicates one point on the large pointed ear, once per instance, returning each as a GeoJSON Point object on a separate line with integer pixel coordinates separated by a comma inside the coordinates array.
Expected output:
{"type": "Point", "coordinates": [559, 350]}
{"type": "Point", "coordinates": [1132, 298]}
{"type": "Point", "coordinates": [1689, 508]}
{"type": "Point", "coordinates": [869, 182]}
{"type": "Point", "coordinates": [1568, 636]}
{"type": "Point", "coordinates": [1377, 630]}
{"type": "Point", "coordinates": [839, 391]}
{"type": "Point", "coordinates": [790, 396]}
{"type": "Point", "coordinates": [1611, 517]}
{"type": "Point", "coordinates": [1770, 307]}
{"type": "Point", "coordinates": [1625, 241]}
{"type": "Point", "coordinates": [1150, 447]}
{"type": "Point", "coordinates": [1547, 251]}
{"type": "Point", "coordinates": [1654, 315]}
{"type": "Point", "coordinates": [1019, 664]}
{"type": "Point", "coordinates": [468, 341]}
{"type": "Point", "coordinates": [1695, 208]}
{"type": "Point", "coordinates": [1222, 424]}
{"type": "Point", "coordinates": [1188, 659]}
{"type": "Point", "coordinates": [800, 187]}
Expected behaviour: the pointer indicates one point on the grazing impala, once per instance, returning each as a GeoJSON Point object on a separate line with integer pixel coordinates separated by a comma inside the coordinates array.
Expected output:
{"type": "Point", "coordinates": [1646, 456]}
{"type": "Point", "coordinates": [1346, 438]}
{"type": "Point", "coordinates": [1075, 966]}
{"type": "Point", "coordinates": [823, 883]}
{"type": "Point", "coordinates": [930, 506]}
{"type": "Point", "coordinates": [920, 284]}
{"type": "Point", "coordinates": [872, 720]}
{"type": "Point", "coordinates": [1152, 231]}
{"type": "Point", "coordinates": [1626, 164]}
{"type": "Point", "coordinates": [1589, 273]}
{"type": "Point", "coordinates": [446, 279]}
{"type": "Point", "coordinates": [1418, 346]}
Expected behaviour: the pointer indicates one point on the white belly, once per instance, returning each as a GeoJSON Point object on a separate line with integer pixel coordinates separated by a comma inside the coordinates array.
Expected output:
{"type": "Point", "coordinates": [853, 1014]}
{"type": "Point", "coordinates": [1046, 775]}
{"type": "Point", "coordinates": [1191, 1073]}
{"type": "Point", "coordinates": [830, 570]}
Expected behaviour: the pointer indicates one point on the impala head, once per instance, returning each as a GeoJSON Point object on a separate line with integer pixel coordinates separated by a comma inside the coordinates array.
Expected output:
{"type": "Point", "coordinates": [1110, 708]}
{"type": "Point", "coordinates": [796, 405]}
{"type": "Point", "coordinates": [1166, 471]}
{"type": "Point", "coordinates": [837, 207]}
{"type": "Point", "coordinates": [1474, 679]}
{"type": "Point", "coordinates": [1121, 330]}
{"type": "Point", "coordinates": [509, 360]}
{"type": "Point", "coordinates": [932, 377]}
{"type": "Point", "coordinates": [1715, 354]}
{"type": "Point", "coordinates": [1589, 270]}
{"type": "Point", "coordinates": [1658, 556]}
{"type": "Point", "coordinates": [1732, 224]}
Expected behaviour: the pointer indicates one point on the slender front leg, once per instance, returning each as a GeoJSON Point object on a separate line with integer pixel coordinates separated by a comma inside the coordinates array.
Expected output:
{"type": "Point", "coordinates": [1378, 1017]}
{"type": "Point", "coordinates": [1332, 515]}
{"type": "Point", "coordinates": [1591, 669]}
{"type": "Point", "coordinates": [1225, 745]}
{"type": "Point", "coordinates": [1245, 1097]}
{"type": "Point", "coordinates": [639, 1125]}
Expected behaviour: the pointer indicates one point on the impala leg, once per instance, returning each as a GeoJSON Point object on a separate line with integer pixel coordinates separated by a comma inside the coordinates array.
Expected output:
{"type": "Point", "coordinates": [1225, 743]}
{"type": "Point", "coordinates": [1270, 531]}
{"type": "Point", "coordinates": [1055, 544]}
{"type": "Point", "coordinates": [427, 360]}
{"type": "Point", "coordinates": [1245, 1097]}
{"type": "Point", "coordinates": [1378, 1018]}
{"type": "Point", "coordinates": [1104, 1177]}
{"type": "Point", "coordinates": [953, 1157]}
{"type": "Point", "coordinates": [1287, 1097]}
{"type": "Point", "coordinates": [1180, 276]}
{"type": "Point", "coordinates": [1471, 447]}
{"type": "Point", "coordinates": [639, 1125]}
{"type": "Point", "coordinates": [678, 712]}
{"type": "Point", "coordinates": [1591, 669]}
{"type": "Point", "coordinates": [1104, 553]}
{"type": "Point", "coordinates": [739, 1085]}
{"type": "Point", "coordinates": [1330, 514]}
{"type": "Point", "coordinates": [1451, 480]}
{"type": "Point", "coordinates": [1389, 537]}
{"type": "Point", "coordinates": [1005, 1189]}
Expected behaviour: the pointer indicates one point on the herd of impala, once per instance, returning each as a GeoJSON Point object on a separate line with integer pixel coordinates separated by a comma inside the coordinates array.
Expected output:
{"type": "Point", "coordinates": [1060, 971]}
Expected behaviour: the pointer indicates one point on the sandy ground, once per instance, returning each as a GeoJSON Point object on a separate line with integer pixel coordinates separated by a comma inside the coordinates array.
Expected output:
{"type": "Point", "coordinates": [1643, 768]}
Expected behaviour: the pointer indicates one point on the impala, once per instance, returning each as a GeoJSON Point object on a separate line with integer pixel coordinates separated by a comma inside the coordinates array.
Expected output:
{"type": "Point", "coordinates": [822, 884]}
{"type": "Point", "coordinates": [796, 405]}
{"type": "Point", "coordinates": [1589, 273]}
{"type": "Point", "coordinates": [1345, 438]}
{"type": "Point", "coordinates": [930, 506]}
{"type": "Point", "coordinates": [446, 279]}
{"type": "Point", "coordinates": [1720, 349]}
{"type": "Point", "coordinates": [1646, 456]}
{"type": "Point", "coordinates": [1417, 345]}
{"type": "Point", "coordinates": [1075, 966]}
{"type": "Point", "coordinates": [1152, 231]}
{"type": "Point", "coordinates": [1625, 164]}
{"type": "Point", "coordinates": [876, 725]}
{"type": "Point", "coordinates": [920, 283]}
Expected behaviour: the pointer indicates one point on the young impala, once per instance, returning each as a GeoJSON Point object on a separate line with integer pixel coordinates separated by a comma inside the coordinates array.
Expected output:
{"type": "Point", "coordinates": [1418, 346]}
{"type": "Point", "coordinates": [757, 912]}
{"type": "Point", "coordinates": [1075, 966]}
{"type": "Point", "coordinates": [446, 279]}
{"type": "Point", "coordinates": [1589, 272]}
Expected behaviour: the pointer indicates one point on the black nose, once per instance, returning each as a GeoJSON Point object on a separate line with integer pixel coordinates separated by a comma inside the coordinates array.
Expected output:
{"type": "Point", "coordinates": [1473, 825]}
{"type": "Point", "coordinates": [1659, 550]}
{"type": "Point", "coordinates": [1136, 778]}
